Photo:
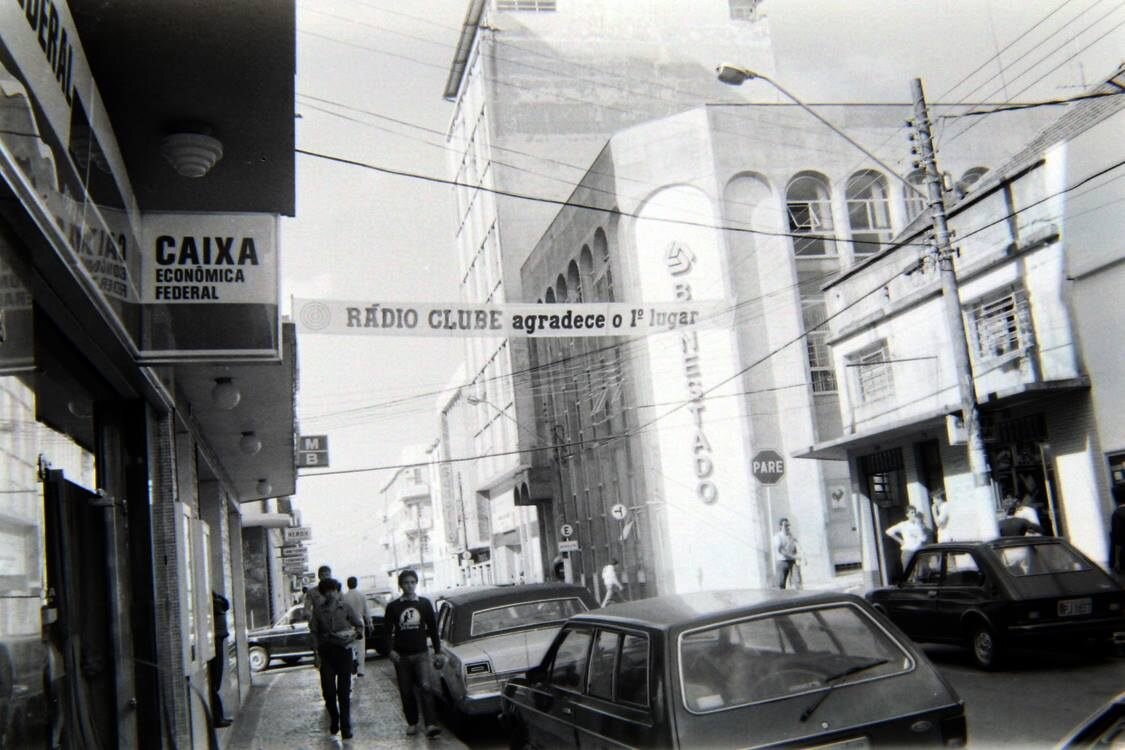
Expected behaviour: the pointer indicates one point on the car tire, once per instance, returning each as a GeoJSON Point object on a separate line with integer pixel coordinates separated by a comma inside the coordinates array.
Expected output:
{"type": "Point", "coordinates": [259, 658]}
{"type": "Point", "coordinates": [984, 646]}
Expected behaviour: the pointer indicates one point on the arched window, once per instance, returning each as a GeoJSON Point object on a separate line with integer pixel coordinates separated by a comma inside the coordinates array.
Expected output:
{"type": "Point", "coordinates": [915, 201]}
{"type": "Point", "coordinates": [810, 215]}
{"type": "Point", "coordinates": [549, 297]}
{"type": "Point", "coordinates": [603, 276]}
{"type": "Point", "coordinates": [971, 177]}
{"type": "Point", "coordinates": [561, 289]}
{"type": "Point", "coordinates": [574, 282]}
{"type": "Point", "coordinates": [869, 211]}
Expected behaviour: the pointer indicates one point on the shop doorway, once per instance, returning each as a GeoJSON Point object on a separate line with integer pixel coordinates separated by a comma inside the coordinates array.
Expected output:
{"type": "Point", "coordinates": [1018, 456]}
{"type": "Point", "coordinates": [80, 675]}
{"type": "Point", "coordinates": [885, 483]}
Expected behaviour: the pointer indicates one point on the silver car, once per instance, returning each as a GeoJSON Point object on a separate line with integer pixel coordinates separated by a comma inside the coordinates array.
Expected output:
{"type": "Point", "coordinates": [489, 634]}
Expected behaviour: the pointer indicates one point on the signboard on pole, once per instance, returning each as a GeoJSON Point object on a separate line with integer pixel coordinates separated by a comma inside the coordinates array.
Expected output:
{"type": "Point", "coordinates": [298, 534]}
{"type": "Point", "coordinates": [768, 467]}
{"type": "Point", "coordinates": [568, 545]}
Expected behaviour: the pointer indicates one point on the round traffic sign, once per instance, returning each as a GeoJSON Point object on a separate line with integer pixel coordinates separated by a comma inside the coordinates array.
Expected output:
{"type": "Point", "coordinates": [768, 467]}
{"type": "Point", "coordinates": [466, 555]}
{"type": "Point", "coordinates": [567, 530]}
{"type": "Point", "coordinates": [619, 511]}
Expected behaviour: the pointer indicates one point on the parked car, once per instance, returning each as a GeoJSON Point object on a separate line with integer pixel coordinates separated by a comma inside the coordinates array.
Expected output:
{"type": "Point", "coordinates": [1104, 728]}
{"type": "Point", "coordinates": [1012, 590]}
{"type": "Point", "coordinates": [722, 669]}
{"type": "Point", "coordinates": [491, 633]}
{"type": "Point", "coordinates": [376, 636]}
{"type": "Point", "coordinates": [287, 639]}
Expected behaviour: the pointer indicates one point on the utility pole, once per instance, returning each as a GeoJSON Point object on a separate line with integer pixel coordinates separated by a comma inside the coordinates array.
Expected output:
{"type": "Point", "coordinates": [970, 416]}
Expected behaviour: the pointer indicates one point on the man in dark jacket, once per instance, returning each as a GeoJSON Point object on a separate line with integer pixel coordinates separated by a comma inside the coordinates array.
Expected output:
{"type": "Point", "coordinates": [1013, 525]}
{"type": "Point", "coordinates": [219, 607]}
{"type": "Point", "coordinates": [411, 621]}
{"type": "Point", "coordinates": [333, 627]}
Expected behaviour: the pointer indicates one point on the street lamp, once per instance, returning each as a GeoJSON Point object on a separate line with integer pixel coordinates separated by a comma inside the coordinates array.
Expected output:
{"type": "Point", "coordinates": [733, 75]}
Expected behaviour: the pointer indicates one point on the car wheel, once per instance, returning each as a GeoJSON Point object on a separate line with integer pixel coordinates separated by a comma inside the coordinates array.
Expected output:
{"type": "Point", "coordinates": [984, 646]}
{"type": "Point", "coordinates": [259, 658]}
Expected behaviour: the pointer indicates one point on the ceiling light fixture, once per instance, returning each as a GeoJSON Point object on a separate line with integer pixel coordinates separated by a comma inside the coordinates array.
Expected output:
{"type": "Point", "coordinates": [191, 154]}
{"type": "Point", "coordinates": [264, 488]}
{"type": "Point", "coordinates": [225, 395]}
{"type": "Point", "coordinates": [250, 443]}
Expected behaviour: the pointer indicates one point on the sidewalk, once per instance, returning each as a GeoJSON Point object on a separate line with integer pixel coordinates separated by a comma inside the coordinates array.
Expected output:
{"type": "Point", "coordinates": [285, 711]}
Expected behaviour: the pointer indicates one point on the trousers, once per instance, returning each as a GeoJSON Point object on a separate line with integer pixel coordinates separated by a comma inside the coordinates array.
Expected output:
{"type": "Point", "coordinates": [336, 683]}
{"type": "Point", "coordinates": [413, 672]}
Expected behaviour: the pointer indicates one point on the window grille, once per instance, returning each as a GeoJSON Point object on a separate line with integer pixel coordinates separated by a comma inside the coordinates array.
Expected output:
{"type": "Point", "coordinates": [1002, 325]}
{"type": "Point", "coordinates": [873, 375]}
{"type": "Point", "coordinates": [815, 312]}
{"type": "Point", "coordinates": [868, 212]}
{"type": "Point", "coordinates": [535, 6]}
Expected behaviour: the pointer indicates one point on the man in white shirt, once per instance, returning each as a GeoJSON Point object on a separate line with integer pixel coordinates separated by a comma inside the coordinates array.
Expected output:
{"type": "Point", "coordinates": [613, 587]}
{"type": "Point", "coordinates": [910, 533]}
{"type": "Point", "coordinates": [357, 603]}
{"type": "Point", "coordinates": [785, 546]}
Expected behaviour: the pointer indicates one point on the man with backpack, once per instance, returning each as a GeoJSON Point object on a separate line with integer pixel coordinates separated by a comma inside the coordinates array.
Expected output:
{"type": "Point", "coordinates": [333, 627]}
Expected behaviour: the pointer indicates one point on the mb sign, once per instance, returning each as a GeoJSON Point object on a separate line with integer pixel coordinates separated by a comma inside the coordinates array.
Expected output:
{"type": "Point", "coordinates": [768, 467]}
{"type": "Point", "coordinates": [312, 452]}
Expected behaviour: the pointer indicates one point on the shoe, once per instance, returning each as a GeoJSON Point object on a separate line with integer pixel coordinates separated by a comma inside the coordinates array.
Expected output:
{"type": "Point", "coordinates": [412, 729]}
{"type": "Point", "coordinates": [224, 722]}
{"type": "Point", "coordinates": [433, 731]}
{"type": "Point", "coordinates": [346, 734]}
{"type": "Point", "coordinates": [334, 728]}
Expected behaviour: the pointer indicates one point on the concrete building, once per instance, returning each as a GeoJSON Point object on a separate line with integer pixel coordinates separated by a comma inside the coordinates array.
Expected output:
{"type": "Point", "coordinates": [1037, 261]}
{"type": "Point", "coordinates": [528, 121]}
{"type": "Point", "coordinates": [756, 206]}
{"type": "Point", "coordinates": [411, 530]}
{"type": "Point", "coordinates": [146, 378]}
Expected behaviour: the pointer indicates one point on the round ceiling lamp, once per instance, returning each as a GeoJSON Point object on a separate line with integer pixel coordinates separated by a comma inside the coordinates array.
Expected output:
{"type": "Point", "coordinates": [264, 487]}
{"type": "Point", "coordinates": [225, 395]}
{"type": "Point", "coordinates": [250, 443]}
{"type": "Point", "coordinates": [191, 154]}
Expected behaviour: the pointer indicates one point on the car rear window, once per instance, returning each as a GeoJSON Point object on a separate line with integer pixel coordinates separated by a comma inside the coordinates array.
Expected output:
{"type": "Point", "coordinates": [523, 614]}
{"type": "Point", "coordinates": [1041, 559]}
{"type": "Point", "coordinates": [785, 653]}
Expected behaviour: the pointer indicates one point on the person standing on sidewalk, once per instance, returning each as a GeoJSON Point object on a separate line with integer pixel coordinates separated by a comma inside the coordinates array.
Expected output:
{"type": "Point", "coordinates": [333, 627]}
{"type": "Point", "coordinates": [785, 547]}
{"type": "Point", "coordinates": [357, 603]}
{"type": "Point", "coordinates": [411, 621]}
{"type": "Point", "coordinates": [612, 584]}
{"type": "Point", "coordinates": [219, 607]}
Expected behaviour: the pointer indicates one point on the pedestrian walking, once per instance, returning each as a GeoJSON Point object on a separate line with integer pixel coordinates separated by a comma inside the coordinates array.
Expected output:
{"type": "Point", "coordinates": [219, 607]}
{"type": "Point", "coordinates": [312, 593]}
{"type": "Point", "coordinates": [334, 627]}
{"type": "Point", "coordinates": [910, 533]}
{"type": "Point", "coordinates": [612, 584]}
{"type": "Point", "coordinates": [411, 621]}
{"type": "Point", "coordinates": [1015, 525]}
{"type": "Point", "coordinates": [785, 546]}
{"type": "Point", "coordinates": [357, 603]}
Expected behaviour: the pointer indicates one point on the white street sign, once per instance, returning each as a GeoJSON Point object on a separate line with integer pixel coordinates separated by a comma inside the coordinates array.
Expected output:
{"type": "Point", "coordinates": [619, 511]}
{"type": "Point", "coordinates": [567, 530]}
{"type": "Point", "coordinates": [568, 545]}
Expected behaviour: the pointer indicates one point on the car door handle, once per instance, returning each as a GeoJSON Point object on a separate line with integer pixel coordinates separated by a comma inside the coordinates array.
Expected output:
{"type": "Point", "coordinates": [932, 594]}
{"type": "Point", "coordinates": [566, 710]}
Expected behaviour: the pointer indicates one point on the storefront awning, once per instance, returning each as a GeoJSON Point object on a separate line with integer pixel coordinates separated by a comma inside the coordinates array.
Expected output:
{"type": "Point", "coordinates": [837, 449]}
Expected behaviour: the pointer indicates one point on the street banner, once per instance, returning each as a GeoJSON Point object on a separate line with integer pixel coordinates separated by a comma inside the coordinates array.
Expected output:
{"type": "Point", "coordinates": [527, 320]}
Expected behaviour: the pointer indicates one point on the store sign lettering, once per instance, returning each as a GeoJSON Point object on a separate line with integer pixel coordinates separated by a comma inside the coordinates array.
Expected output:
{"type": "Point", "coordinates": [44, 21]}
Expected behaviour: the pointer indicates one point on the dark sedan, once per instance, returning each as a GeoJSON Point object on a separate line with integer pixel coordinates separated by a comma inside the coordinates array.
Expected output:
{"type": "Point", "coordinates": [733, 669]}
{"type": "Point", "coordinates": [287, 639]}
{"type": "Point", "coordinates": [1012, 590]}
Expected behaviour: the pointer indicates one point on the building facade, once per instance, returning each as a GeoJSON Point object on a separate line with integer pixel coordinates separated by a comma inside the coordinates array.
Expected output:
{"type": "Point", "coordinates": [1036, 256]}
{"type": "Point", "coordinates": [146, 378]}
{"type": "Point", "coordinates": [525, 123]}
{"type": "Point", "coordinates": [750, 206]}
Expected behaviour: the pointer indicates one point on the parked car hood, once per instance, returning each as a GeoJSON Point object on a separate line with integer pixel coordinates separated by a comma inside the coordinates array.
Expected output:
{"type": "Point", "coordinates": [508, 652]}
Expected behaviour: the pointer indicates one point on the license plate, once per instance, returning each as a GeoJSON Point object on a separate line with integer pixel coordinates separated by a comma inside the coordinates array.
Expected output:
{"type": "Point", "coordinates": [1073, 607]}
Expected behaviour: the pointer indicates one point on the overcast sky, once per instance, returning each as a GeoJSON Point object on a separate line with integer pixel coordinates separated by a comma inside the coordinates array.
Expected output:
{"type": "Point", "coordinates": [370, 75]}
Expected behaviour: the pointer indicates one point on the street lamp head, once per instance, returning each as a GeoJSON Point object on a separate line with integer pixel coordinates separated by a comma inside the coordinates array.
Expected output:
{"type": "Point", "coordinates": [734, 75]}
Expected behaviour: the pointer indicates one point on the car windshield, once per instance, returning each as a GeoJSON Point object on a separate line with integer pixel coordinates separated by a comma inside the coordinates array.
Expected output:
{"type": "Point", "coordinates": [523, 614]}
{"type": "Point", "coordinates": [783, 654]}
{"type": "Point", "coordinates": [375, 607]}
{"type": "Point", "coordinates": [292, 617]}
{"type": "Point", "coordinates": [1041, 559]}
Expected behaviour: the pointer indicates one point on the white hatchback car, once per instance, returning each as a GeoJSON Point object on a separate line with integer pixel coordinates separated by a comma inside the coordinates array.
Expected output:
{"type": "Point", "coordinates": [490, 634]}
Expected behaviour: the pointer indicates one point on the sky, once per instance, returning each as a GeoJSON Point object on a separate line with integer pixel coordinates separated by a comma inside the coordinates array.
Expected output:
{"type": "Point", "coordinates": [370, 76]}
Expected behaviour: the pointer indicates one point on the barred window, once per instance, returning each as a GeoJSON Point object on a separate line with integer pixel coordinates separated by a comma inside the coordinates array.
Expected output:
{"type": "Point", "coordinates": [815, 312]}
{"type": "Point", "coordinates": [873, 374]}
{"type": "Point", "coordinates": [1002, 325]}
{"type": "Point", "coordinates": [535, 6]}
{"type": "Point", "coordinates": [869, 211]}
